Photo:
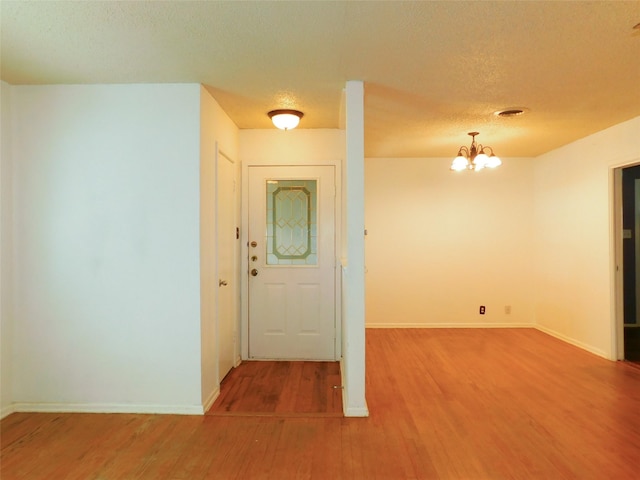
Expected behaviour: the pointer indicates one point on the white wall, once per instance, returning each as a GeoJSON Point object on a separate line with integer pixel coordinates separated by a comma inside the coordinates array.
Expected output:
{"type": "Point", "coordinates": [442, 243]}
{"type": "Point", "coordinates": [6, 252]}
{"type": "Point", "coordinates": [573, 243]}
{"type": "Point", "coordinates": [216, 128]}
{"type": "Point", "coordinates": [106, 235]}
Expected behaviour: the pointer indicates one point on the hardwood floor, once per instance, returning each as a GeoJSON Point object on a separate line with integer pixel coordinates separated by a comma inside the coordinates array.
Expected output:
{"type": "Point", "coordinates": [444, 404]}
{"type": "Point", "coordinates": [633, 364]}
{"type": "Point", "coordinates": [281, 388]}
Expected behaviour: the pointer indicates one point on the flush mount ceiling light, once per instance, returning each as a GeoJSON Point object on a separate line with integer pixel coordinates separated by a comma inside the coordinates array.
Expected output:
{"type": "Point", "coordinates": [285, 119]}
{"type": "Point", "coordinates": [476, 157]}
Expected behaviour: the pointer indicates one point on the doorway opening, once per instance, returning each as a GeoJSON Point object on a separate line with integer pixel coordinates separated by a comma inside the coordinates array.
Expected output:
{"type": "Point", "coordinates": [631, 262]}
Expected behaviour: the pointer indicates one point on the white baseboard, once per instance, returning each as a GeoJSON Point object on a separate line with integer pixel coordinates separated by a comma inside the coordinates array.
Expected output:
{"type": "Point", "coordinates": [348, 411]}
{"type": "Point", "coordinates": [108, 408]}
{"type": "Point", "coordinates": [342, 383]}
{"type": "Point", "coordinates": [212, 398]}
{"type": "Point", "coordinates": [571, 341]}
{"type": "Point", "coordinates": [356, 411]}
{"type": "Point", "coordinates": [553, 333]}
{"type": "Point", "coordinates": [450, 325]}
{"type": "Point", "coordinates": [6, 411]}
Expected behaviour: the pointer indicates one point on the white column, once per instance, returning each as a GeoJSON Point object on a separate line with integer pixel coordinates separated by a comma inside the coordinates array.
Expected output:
{"type": "Point", "coordinates": [354, 402]}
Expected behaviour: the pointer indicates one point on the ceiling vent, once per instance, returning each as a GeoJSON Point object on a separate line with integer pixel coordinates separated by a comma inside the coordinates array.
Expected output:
{"type": "Point", "coordinates": [511, 112]}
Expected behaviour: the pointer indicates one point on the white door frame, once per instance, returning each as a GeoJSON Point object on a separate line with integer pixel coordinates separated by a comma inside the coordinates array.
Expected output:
{"type": "Point", "coordinates": [617, 286]}
{"type": "Point", "coordinates": [233, 280]}
{"type": "Point", "coordinates": [244, 251]}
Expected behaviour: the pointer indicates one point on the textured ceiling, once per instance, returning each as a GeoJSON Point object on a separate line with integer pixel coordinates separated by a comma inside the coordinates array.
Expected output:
{"type": "Point", "coordinates": [433, 71]}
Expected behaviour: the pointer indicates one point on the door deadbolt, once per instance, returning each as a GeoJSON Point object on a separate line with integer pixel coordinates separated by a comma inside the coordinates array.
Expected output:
{"type": "Point", "coordinates": [254, 244]}
{"type": "Point", "coordinates": [254, 272]}
{"type": "Point", "coordinates": [254, 258]}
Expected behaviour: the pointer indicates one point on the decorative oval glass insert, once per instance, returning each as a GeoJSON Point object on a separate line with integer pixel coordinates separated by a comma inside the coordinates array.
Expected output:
{"type": "Point", "coordinates": [291, 222]}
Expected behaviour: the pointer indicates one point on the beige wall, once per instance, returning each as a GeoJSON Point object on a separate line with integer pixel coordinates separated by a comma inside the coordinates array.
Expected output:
{"type": "Point", "coordinates": [539, 238]}
{"type": "Point", "coordinates": [573, 267]}
{"type": "Point", "coordinates": [295, 147]}
{"type": "Point", "coordinates": [441, 243]}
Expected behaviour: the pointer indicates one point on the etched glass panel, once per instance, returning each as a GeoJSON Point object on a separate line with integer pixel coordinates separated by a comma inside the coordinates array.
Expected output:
{"type": "Point", "coordinates": [292, 222]}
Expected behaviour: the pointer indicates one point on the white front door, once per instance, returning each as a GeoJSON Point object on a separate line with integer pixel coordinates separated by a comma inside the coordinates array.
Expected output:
{"type": "Point", "coordinates": [292, 263]}
{"type": "Point", "coordinates": [226, 232]}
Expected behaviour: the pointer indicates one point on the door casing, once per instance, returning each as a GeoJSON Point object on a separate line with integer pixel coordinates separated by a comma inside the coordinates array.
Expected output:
{"type": "Point", "coordinates": [617, 297]}
{"type": "Point", "coordinates": [244, 250]}
{"type": "Point", "coordinates": [227, 252]}
{"type": "Point", "coordinates": [304, 329]}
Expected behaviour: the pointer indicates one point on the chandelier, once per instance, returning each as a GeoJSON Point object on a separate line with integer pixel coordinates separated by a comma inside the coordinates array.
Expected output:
{"type": "Point", "coordinates": [476, 157]}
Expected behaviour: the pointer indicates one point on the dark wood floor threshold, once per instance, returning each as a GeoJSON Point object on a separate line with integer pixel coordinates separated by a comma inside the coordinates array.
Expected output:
{"type": "Point", "coordinates": [281, 389]}
{"type": "Point", "coordinates": [212, 413]}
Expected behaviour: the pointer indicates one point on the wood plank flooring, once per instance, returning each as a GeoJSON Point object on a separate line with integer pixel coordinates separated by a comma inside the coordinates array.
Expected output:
{"type": "Point", "coordinates": [281, 389]}
{"type": "Point", "coordinates": [445, 404]}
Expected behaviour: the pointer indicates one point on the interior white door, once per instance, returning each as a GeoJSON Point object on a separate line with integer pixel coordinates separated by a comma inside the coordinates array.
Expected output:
{"type": "Point", "coordinates": [226, 235]}
{"type": "Point", "coordinates": [292, 263]}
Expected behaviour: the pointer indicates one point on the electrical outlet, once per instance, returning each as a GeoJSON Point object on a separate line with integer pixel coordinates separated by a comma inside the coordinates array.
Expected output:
{"type": "Point", "coordinates": [482, 309]}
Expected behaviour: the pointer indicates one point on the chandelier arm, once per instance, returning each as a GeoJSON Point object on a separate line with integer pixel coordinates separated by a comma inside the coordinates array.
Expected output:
{"type": "Point", "coordinates": [482, 149]}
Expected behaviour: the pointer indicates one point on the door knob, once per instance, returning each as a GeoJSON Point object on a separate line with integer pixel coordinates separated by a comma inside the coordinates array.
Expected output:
{"type": "Point", "coordinates": [254, 272]}
{"type": "Point", "coordinates": [222, 283]}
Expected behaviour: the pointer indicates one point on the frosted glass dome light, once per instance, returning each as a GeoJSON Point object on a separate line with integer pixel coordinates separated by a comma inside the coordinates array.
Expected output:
{"type": "Point", "coordinates": [460, 163]}
{"type": "Point", "coordinates": [285, 119]}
